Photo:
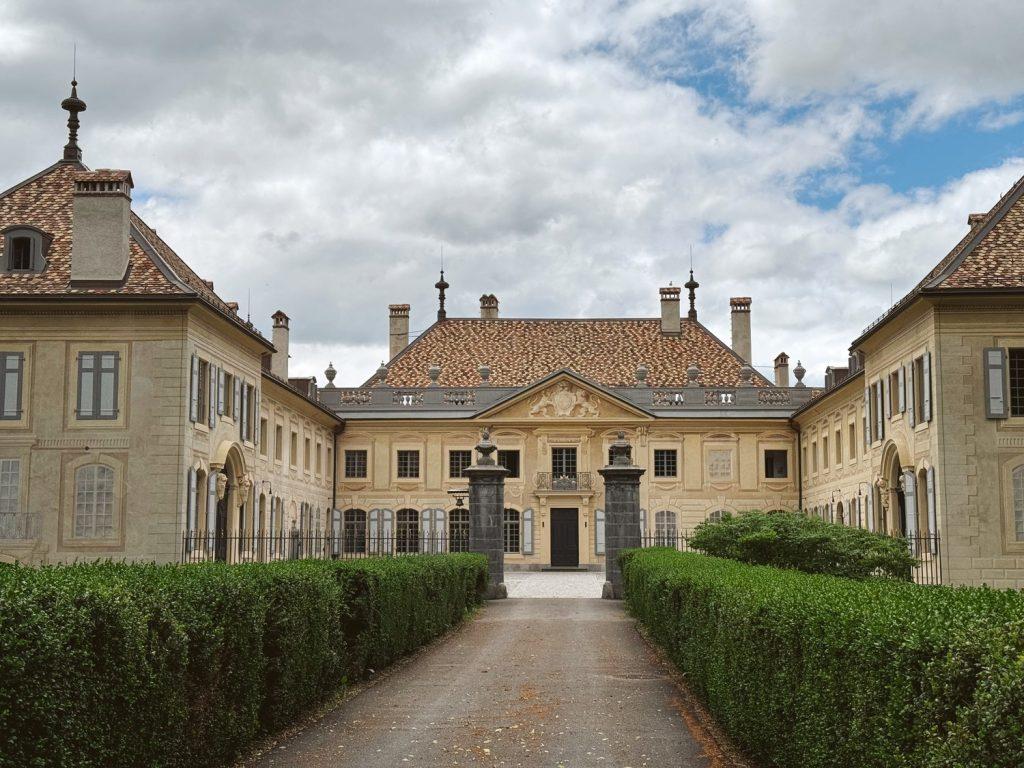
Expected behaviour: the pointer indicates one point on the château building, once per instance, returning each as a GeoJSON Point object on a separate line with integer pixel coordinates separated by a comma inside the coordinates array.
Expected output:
{"type": "Point", "coordinates": [144, 418]}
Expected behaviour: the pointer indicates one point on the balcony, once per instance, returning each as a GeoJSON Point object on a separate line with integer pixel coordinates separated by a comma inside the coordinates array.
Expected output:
{"type": "Point", "coordinates": [550, 481]}
{"type": "Point", "coordinates": [19, 526]}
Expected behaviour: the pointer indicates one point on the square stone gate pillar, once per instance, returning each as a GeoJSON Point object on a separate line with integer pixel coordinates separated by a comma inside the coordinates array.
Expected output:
{"type": "Point", "coordinates": [486, 514]}
{"type": "Point", "coordinates": [621, 512]}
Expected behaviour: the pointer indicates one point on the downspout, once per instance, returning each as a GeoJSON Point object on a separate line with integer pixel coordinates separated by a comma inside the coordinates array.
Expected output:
{"type": "Point", "coordinates": [799, 470]}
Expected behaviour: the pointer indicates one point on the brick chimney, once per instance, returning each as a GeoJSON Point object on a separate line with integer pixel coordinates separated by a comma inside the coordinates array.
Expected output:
{"type": "Point", "coordinates": [782, 370]}
{"type": "Point", "coordinates": [398, 328]}
{"type": "Point", "coordinates": [740, 306]}
{"type": "Point", "coordinates": [488, 307]}
{"type": "Point", "coordinates": [279, 360]}
{"type": "Point", "coordinates": [670, 310]}
{"type": "Point", "coordinates": [100, 225]}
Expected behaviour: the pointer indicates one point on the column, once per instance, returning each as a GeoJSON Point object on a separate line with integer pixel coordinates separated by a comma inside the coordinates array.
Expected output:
{"type": "Point", "coordinates": [621, 512]}
{"type": "Point", "coordinates": [486, 511]}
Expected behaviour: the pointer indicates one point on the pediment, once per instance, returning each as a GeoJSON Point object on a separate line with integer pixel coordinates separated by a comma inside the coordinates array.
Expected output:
{"type": "Point", "coordinates": [564, 397]}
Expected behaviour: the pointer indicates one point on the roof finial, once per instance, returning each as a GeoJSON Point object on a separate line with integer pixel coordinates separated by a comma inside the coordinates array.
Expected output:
{"type": "Point", "coordinates": [441, 285]}
{"type": "Point", "coordinates": [692, 286]}
{"type": "Point", "coordinates": [74, 105]}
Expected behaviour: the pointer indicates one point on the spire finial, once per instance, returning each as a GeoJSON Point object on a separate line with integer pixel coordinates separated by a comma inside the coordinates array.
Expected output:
{"type": "Point", "coordinates": [692, 286]}
{"type": "Point", "coordinates": [441, 285]}
{"type": "Point", "coordinates": [73, 105]}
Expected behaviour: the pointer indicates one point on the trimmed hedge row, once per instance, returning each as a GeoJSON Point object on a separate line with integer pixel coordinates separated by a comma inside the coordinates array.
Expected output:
{"type": "Point", "coordinates": [815, 671]}
{"type": "Point", "coordinates": [793, 540]}
{"type": "Point", "coordinates": [125, 665]}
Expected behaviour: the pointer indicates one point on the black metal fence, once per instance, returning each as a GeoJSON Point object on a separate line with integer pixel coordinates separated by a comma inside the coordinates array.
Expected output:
{"type": "Point", "coordinates": [264, 547]}
{"type": "Point", "coordinates": [925, 549]}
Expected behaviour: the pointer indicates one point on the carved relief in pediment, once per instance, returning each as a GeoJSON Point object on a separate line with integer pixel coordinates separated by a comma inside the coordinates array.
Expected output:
{"type": "Point", "coordinates": [564, 401]}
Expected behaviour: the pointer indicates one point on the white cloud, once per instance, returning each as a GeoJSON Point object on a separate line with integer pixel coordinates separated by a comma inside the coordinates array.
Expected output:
{"type": "Point", "coordinates": [317, 160]}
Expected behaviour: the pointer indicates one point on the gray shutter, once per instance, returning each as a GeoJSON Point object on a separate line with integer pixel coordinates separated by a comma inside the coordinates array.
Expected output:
{"type": "Point", "coordinates": [426, 518]}
{"type": "Point", "coordinates": [599, 532]}
{"type": "Point", "coordinates": [220, 391]}
{"type": "Point", "coordinates": [933, 523]}
{"type": "Point", "coordinates": [79, 408]}
{"type": "Point", "coordinates": [191, 501]}
{"type": "Point", "coordinates": [910, 503]}
{"type": "Point", "coordinates": [901, 386]}
{"type": "Point", "coordinates": [527, 532]}
{"type": "Point", "coordinates": [243, 422]}
{"type": "Point", "coordinates": [868, 423]}
{"type": "Point", "coordinates": [911, 396]}
{"type": "Point", "coordinates": [375, 533]}
{"type": "Point", "coordinates": [995, 383]}
{"type": "Point", "coordinates": [236, 400]}
{"type": "Point", "coordinates": [211, 503]}
{"type": "Point", "coordinates": [440, 532]}
{"type": "Point", "coordinates": [387, 528]}
{"type": "Point", "coordinates": [193, 405]}
{"type": "Point", "coordinates": [212, 387]}
{"type": "Point", "coordinates": [256, 417]}
{"type": "Point", "coordinates": [879, 419]}
{"type": "Point", "coordinates": [926, 387]}
{"type": "Point", "coordinates": [871, 509]}
{"type": "Point", "coordinates": [887, 397]}
{"type": "Point", "coordinates": [643, 527]}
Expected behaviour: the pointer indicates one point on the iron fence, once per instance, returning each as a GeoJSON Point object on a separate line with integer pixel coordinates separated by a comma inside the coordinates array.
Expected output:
{"type": "Point", "coordinates": [552, 481]}
{"type": "Point", "coordinates": [264, 547]}
{"type": "Point", "coordinates": [925, 549]}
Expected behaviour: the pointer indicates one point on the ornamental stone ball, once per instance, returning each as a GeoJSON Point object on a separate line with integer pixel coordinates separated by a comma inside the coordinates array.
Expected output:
{"type": "Point", "coordinates": [692, 375]}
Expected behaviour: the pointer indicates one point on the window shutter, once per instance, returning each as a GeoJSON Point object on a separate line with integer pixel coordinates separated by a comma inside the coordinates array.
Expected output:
{"type": "Point", "coordinates": [426, 517]}
{"type": "Point", "coordinates": [901, 386]}
{"type": "Point", "coordinates": [243, 423]}
{"type": "Point", "coordinates": [599, 532]}
{"type": "Point", "coordinates": [643, 527]}
{"type": "Point", "coordinates": [256, 416]}
{"type": "Point", "coordinates": [911, 396]}
{"type": "Point", "coordinates": [387, 528]}
{"type": "Point", "coordinates": [887, 397]}
{"type": "Point", "coordinates": [440, 532]}
{"type": "Point", "coordinates": [220, 391]}
{"type": "Point", "coordinates": [528, 532]}
{"type": "Point", "coordinates": [211, 503]}
{"type": "Point", "coordinates": [236, 400]}
{"type": "Point", "coordinates": [193, 406]}
{"type": "Point", "coordinates": [870, 499]}
{"type": "Point", "coordinates": [910, 503]}
{"type": "Point", "coordinates": [375, 533]}
{"type": "Point", "coordinates": [190, 501]}
{"type": "Point", "coordinates": [879, 419]}
{"type": "Point", "coordinates": [995, 382]}
{"type": "Point", "coordinates": [868, 423]}
{"type": "Point", "coordinates": [81, 406]}
{"type": "Point", "coordinates": [926, 387]}
{"type": "Point", "coordinates": [211, 418]}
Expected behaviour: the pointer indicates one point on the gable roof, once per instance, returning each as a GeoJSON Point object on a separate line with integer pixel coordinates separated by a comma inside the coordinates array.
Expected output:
{"type": "Point", "coordinates": [990, 257]}
{"type": "Point", "coordinates": [605, 351]}
{"type": "Point", "coordinates": [45, 202]}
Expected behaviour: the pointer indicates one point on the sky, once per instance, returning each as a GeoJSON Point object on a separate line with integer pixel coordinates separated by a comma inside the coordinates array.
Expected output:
{"type": "Point", "coordinates": [319, 156]}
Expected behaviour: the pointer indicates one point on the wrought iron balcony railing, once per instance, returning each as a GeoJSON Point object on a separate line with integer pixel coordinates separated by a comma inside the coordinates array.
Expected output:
{"type": "Point", "coordinates": [19, 525]}
{"type": "Point", "coordinates": [553, 481]}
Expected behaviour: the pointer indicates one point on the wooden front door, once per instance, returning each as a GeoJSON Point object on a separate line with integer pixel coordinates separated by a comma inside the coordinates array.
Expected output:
{"type": "Point", "coordinates": [565, 537]}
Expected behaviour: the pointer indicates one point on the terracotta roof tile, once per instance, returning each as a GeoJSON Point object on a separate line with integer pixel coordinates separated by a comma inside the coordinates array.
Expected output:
{"type": "Point", "coordinates": [520, 352]}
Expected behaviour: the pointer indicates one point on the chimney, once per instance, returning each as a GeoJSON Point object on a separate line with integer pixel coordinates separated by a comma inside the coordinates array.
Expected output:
{"type": "Point", "coordinates": [974, 219]}
{"type": "Point", "coordinates": [782, 370]}
{"type": "Point", "coordinates": [398, 327]}
{"type": "Point", "coordinates": [101, 216]}
{"type": "Point", "coordinates": [279, 360]}
{"type": "Point", "coordinates": [670, 310]}
{"type": "Point", "coordinates": [740, 306]}
{"type": "Point", "coordinates": [488, 307]}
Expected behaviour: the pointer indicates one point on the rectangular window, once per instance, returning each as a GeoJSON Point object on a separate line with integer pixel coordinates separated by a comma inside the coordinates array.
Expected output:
{"type": "Point", "coordinates": [21, 253]}
{"type": "Point", "coordinates": [776, 464]}
{"type": "Point", "coordinates": [293, 449]}
{"type": "Point", "coordinates": [279, 442]}
{"type": "Point", "coordinates": [355, 464]}
{"type": "Point", "coordinates": [12, 370]}
{"type": "Point", "coordinates": [229, 389]}
{"type": "Point", "coordinates": [11, 527]}
{"type": "Point", "coordinates": [511, 531]}
{"type": "Point", "coordinates": [510, 461]}
{"type": "Point", "coordinates": [306, 447]}
{"type": "Point", "coordinates": [319, 458]}
{"type": "Point", "coordinates": [921, 385]}
{"type": "Point", "coordinates": [204, 388]}
{"type": "Point", "coordinates": [824, 452]}
{"type": "Point", "coordinates": [97, 385]}
{"type": "Point", "coordinates": [665, 462]}
{"type": "Point", "coordinates": [458, 461]}
{"type": "Point", "coordinates": [720, 465]}
{"type": "Point", "coordinates": [839, 446]}
{"type": "Point", "coordinates": [563, 462]}
{"type": "Point", "coordinates": [409, 464]}
{"type": "Point", "coordinates": [263, 437]}
{"type": "Point", "coordinates": [853, 441]}
{"type": "Point", "coordinates": [814, 457]}
{"type": "Point", "coordinates": [805, 460]}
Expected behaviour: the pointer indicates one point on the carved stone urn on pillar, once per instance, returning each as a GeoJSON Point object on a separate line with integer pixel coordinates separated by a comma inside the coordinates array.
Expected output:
{"type": "Point", "coordinates": [486, 510]}
{"type": "Point", "coordinates": [621, 512]}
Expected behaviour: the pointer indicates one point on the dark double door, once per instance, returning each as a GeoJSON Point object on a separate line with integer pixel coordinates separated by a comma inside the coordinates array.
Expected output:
{"type": "Point", "coordinates": [565, 538]}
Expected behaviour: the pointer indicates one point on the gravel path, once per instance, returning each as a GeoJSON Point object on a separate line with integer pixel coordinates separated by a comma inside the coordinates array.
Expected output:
{"type": "Point", "coordinates": [554, 584]}
{"type": "Point", "coordinates": [534, 683]}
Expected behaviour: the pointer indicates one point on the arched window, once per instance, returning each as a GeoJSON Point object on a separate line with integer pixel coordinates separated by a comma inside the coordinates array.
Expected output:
{"type": "Point", "coordinates": [407, 531]}
{"type": "Point", "coordinates": [510, 531]}
{"type": "Point", "coordinates": [354, 530]}
{"type": "Point", "coordinates": [840, 513]}
{"type": "Point", "coordinates": [262, 521]}
{"type": "Point", "coordinates": [665, 530]}
{"type": "Point", "coordinates": [94, 502]}
{"type": "Point", "coordinates": [1018, 503]}
{"type": "Point", "coordinates": [458, 530]}
{"type": "Point", "coordinates": [716, 516]}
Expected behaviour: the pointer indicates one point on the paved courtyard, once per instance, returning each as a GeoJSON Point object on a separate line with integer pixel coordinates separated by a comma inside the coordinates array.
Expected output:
{"type": "Point", "coordinates": [534, 683]}
{"type": "Point", "coordinates": [554, 583]}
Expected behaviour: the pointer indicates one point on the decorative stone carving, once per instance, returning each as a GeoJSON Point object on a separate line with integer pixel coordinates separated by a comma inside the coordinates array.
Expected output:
{"type": "Point", "coordinates": [565, 401]}
{"type": "Point", "coordinates": [245, 487]}
{"type": "Point", "coordinates": [883, 491]}
{"type": "Point", "coordinates": [222, 486]}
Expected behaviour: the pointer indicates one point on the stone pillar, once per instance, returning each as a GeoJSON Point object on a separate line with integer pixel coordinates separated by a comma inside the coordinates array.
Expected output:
{"type": "Point", "coordinates": [621, 513]}
{"type": "Point", "coordinates": [486, 512]}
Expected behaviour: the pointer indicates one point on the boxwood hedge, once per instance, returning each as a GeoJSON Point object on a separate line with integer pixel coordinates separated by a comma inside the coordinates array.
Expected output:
{"type": "Point", "coordinates": [126, 665]}
{"type": "Point", "coordinates": [809, 671]}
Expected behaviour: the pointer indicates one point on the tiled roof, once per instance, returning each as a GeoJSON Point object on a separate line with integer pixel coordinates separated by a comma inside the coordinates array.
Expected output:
{"type": "Point", "coordinates": [608, 352]}
{"type": "Point", "coordinates": [45, 201]}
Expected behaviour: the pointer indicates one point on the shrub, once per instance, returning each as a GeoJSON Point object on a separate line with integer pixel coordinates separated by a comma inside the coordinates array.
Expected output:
{"type": "Point", "coordinates": [126, 665]}
{"type": "Point", "coordinates": [791, 540]}
{"type": "Point", "coordinates": [809, 671]}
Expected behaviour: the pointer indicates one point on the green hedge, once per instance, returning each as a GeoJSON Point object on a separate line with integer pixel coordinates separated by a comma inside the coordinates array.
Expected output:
{"type": "Point", "coordinates": [815, 671]}
{"type": "Point", "coordinates": [791, 540]}
{"type": "Point", "coordinates": [128, 665]}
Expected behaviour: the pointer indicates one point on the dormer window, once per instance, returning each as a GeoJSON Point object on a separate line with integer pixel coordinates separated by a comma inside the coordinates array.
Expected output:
{"type": "Point", "coordinates": [24, 249]}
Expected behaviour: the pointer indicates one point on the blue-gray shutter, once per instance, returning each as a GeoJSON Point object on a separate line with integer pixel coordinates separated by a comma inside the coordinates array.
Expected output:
{"type": "Point", "coordinates": [193, 405]}
{"type": "Point", "coordinates": [879, 419]}
{"type": "Point", "coordinates": [426, 518]}
{"type": "Point", "coordinates": [933, 521]}
{"type": "Point", "coordinates": [375, 531]}
{"type": "Point", "coordinates": [995, 383]}
{"type": "Point", "coordinates": [220, 391]}
{"type": "Point", "coordinates": [926, 387]}
{"type": "Point", "coordinates": [387, 529]}
{"type": "Point", "coordinates": [910, 504]}
{"type": "Point", "coordinates": [243, 422]}
{"type": "Point", "coordinates": [871, 509]}
{"type": "Point", "coordinates": [868, 422]}
{"type": "Point", "coordinates": [911, 396]}
{"type": "Point", "coordinates": [599, 532]}
{"type": "Point", "coordinates": [211, 503]}
{"type": "Point", "coordinates": [527, 539]}
{"type": "Point", "coordinates": [256, 416]}
{"type": "Point", "coordinates": [901, 385]}
{"type": "Point", "coordinates": [191, 501]}
{"type": "Point", "coordinates": [887, 397]}
{"type": "Point", "coordinates": [236, 400]}
{"type": "Point", "coordinates": [211, 385]}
